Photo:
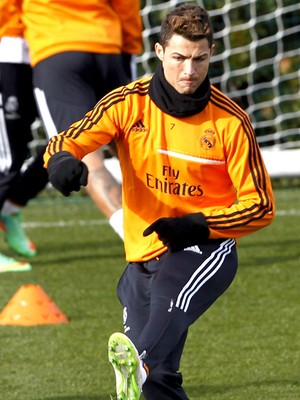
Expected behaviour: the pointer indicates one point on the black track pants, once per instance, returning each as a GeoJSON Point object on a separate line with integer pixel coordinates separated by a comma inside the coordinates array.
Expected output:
{"type": "Point", "coordinates": [17, 113]}
{"type": "Point", "coordinates": [163, 297]}
{"type": "Point", "coordinates": [30, 182]}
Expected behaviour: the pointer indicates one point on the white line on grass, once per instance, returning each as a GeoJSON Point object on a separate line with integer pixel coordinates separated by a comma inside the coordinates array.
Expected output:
{"type": "Point", "coordinates": [288, 213]}
{"type": "Point", "coordinates": [81, 222]}
{"type": "Point", "coordinates": [64, 224]}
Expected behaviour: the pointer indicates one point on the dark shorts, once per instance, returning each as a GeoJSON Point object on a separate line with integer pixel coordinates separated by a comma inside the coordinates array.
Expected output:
{"type": "Point", "coordinates": [69, 84]}
{"type": "Point", "coordinates": [17, 113]}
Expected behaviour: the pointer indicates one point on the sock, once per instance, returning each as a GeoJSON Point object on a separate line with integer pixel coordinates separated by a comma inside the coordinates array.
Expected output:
{"type": "Point", "coordinates": [116, 222]}
{"type": "Point", "coordinates": [144, 371]}
{"type": "Point", "coordinates": [10, 208]}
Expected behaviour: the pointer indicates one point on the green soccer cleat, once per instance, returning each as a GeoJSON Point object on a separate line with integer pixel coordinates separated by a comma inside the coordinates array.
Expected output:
{"type": "Point", "coordinates": [8, 264]}
{"type": "Point", "coordinates": [125, 360]}
{"type": "Point", "coordinates": [15, 235]}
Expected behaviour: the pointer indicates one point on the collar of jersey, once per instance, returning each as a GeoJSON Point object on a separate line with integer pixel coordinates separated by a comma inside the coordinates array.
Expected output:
{"type": "Point", "coordinates": [173, 103]}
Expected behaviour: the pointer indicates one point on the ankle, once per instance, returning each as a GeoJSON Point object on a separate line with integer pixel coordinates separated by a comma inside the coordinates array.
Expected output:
{"type": "Point", "coordinates": [144, 371]}
{"type": "Point", "coordinates": [10, 208]}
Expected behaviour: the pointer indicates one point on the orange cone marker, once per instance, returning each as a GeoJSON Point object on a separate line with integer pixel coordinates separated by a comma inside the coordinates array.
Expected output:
{"type": "Point", "coordinates": [30, 305]}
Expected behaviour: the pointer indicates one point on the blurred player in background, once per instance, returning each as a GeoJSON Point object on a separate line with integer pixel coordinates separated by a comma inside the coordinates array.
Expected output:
{"type": "Point", "coordinates": [17, 113]}
{"type": "Point", "coordinates": [79, 51]}
{"type": "Point", "coordinates": [193, 182]}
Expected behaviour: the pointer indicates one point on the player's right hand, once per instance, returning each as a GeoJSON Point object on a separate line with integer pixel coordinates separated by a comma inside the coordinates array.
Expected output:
{"type": "Point", "coordinates": [67, 173]}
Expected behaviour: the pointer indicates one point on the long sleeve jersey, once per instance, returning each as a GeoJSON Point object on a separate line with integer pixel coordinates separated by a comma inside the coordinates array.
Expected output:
{"type": "Point", "coordinates": [173, 165]}
{"type": "Point", "coordinates": [10, 18]}
{"type": "Point", "coordinates": [95, 26]}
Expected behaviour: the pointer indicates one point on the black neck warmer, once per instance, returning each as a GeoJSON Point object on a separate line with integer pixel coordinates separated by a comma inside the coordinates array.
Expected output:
{"type": "Point", "coordinates": [173, 103]}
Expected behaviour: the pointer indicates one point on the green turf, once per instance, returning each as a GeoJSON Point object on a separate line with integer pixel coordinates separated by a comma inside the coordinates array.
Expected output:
{"type": "Point", "coordinates": [247, 346]}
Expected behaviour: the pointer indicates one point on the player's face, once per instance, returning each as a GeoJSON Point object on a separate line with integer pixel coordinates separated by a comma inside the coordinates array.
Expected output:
{"type": "Point", "coordinates": [185, 63]}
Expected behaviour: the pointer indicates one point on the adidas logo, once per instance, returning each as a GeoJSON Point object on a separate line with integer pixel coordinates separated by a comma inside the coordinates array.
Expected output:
{"type": "Point", "coordinates": [138, 127]}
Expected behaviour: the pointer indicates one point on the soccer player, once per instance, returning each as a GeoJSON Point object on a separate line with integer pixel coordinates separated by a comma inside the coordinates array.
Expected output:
{"type": "Point", "coordinates": [80, 51]}
{"type": "Point", "coordinates": [193, 182]}
{"type": "Point", "coordinates": [17, 113]}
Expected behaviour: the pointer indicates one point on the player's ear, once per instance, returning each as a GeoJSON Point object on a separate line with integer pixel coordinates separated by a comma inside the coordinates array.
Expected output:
{"type": "Point", "coordinates": [159, 51]}
{"type": "Point", "coordinates": [212, 49]}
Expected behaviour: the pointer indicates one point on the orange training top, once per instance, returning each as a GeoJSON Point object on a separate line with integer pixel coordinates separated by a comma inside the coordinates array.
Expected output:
{"type": "Point", "coordinates": [209, 162]}
{"type": "Point", "coordinates": [96, 26]}
{"type": "Point", "coordinates": [10, 18]}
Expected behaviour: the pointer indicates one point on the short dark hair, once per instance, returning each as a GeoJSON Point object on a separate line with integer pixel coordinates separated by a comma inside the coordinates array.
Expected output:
{"type": "Point", "coordinates": [188, 20]}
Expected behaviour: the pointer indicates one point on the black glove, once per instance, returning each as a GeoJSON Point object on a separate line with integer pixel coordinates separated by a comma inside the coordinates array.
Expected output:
{"type": "Point", "coordinates": [178, 233]}
{"type": "Point", "coordinates": [67, 173]}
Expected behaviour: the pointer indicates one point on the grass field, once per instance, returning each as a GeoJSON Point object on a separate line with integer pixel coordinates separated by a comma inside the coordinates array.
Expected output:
{"type": "Point", "coordinates": [246, 347]}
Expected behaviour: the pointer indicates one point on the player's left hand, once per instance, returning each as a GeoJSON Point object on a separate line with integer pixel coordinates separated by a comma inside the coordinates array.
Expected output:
{"type": "Point", "coordinates": [178, 233]}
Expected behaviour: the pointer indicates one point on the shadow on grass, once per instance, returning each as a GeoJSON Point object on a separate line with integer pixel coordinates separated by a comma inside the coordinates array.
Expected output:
{"type": "Point", "coordinates": [275, 254]}
{"type": "Point", "coordinates": [86, 250]}
{"type": "Point", "coordinates": [100, 397]}
{"type": "Point", "coordinates": [198, 391]}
